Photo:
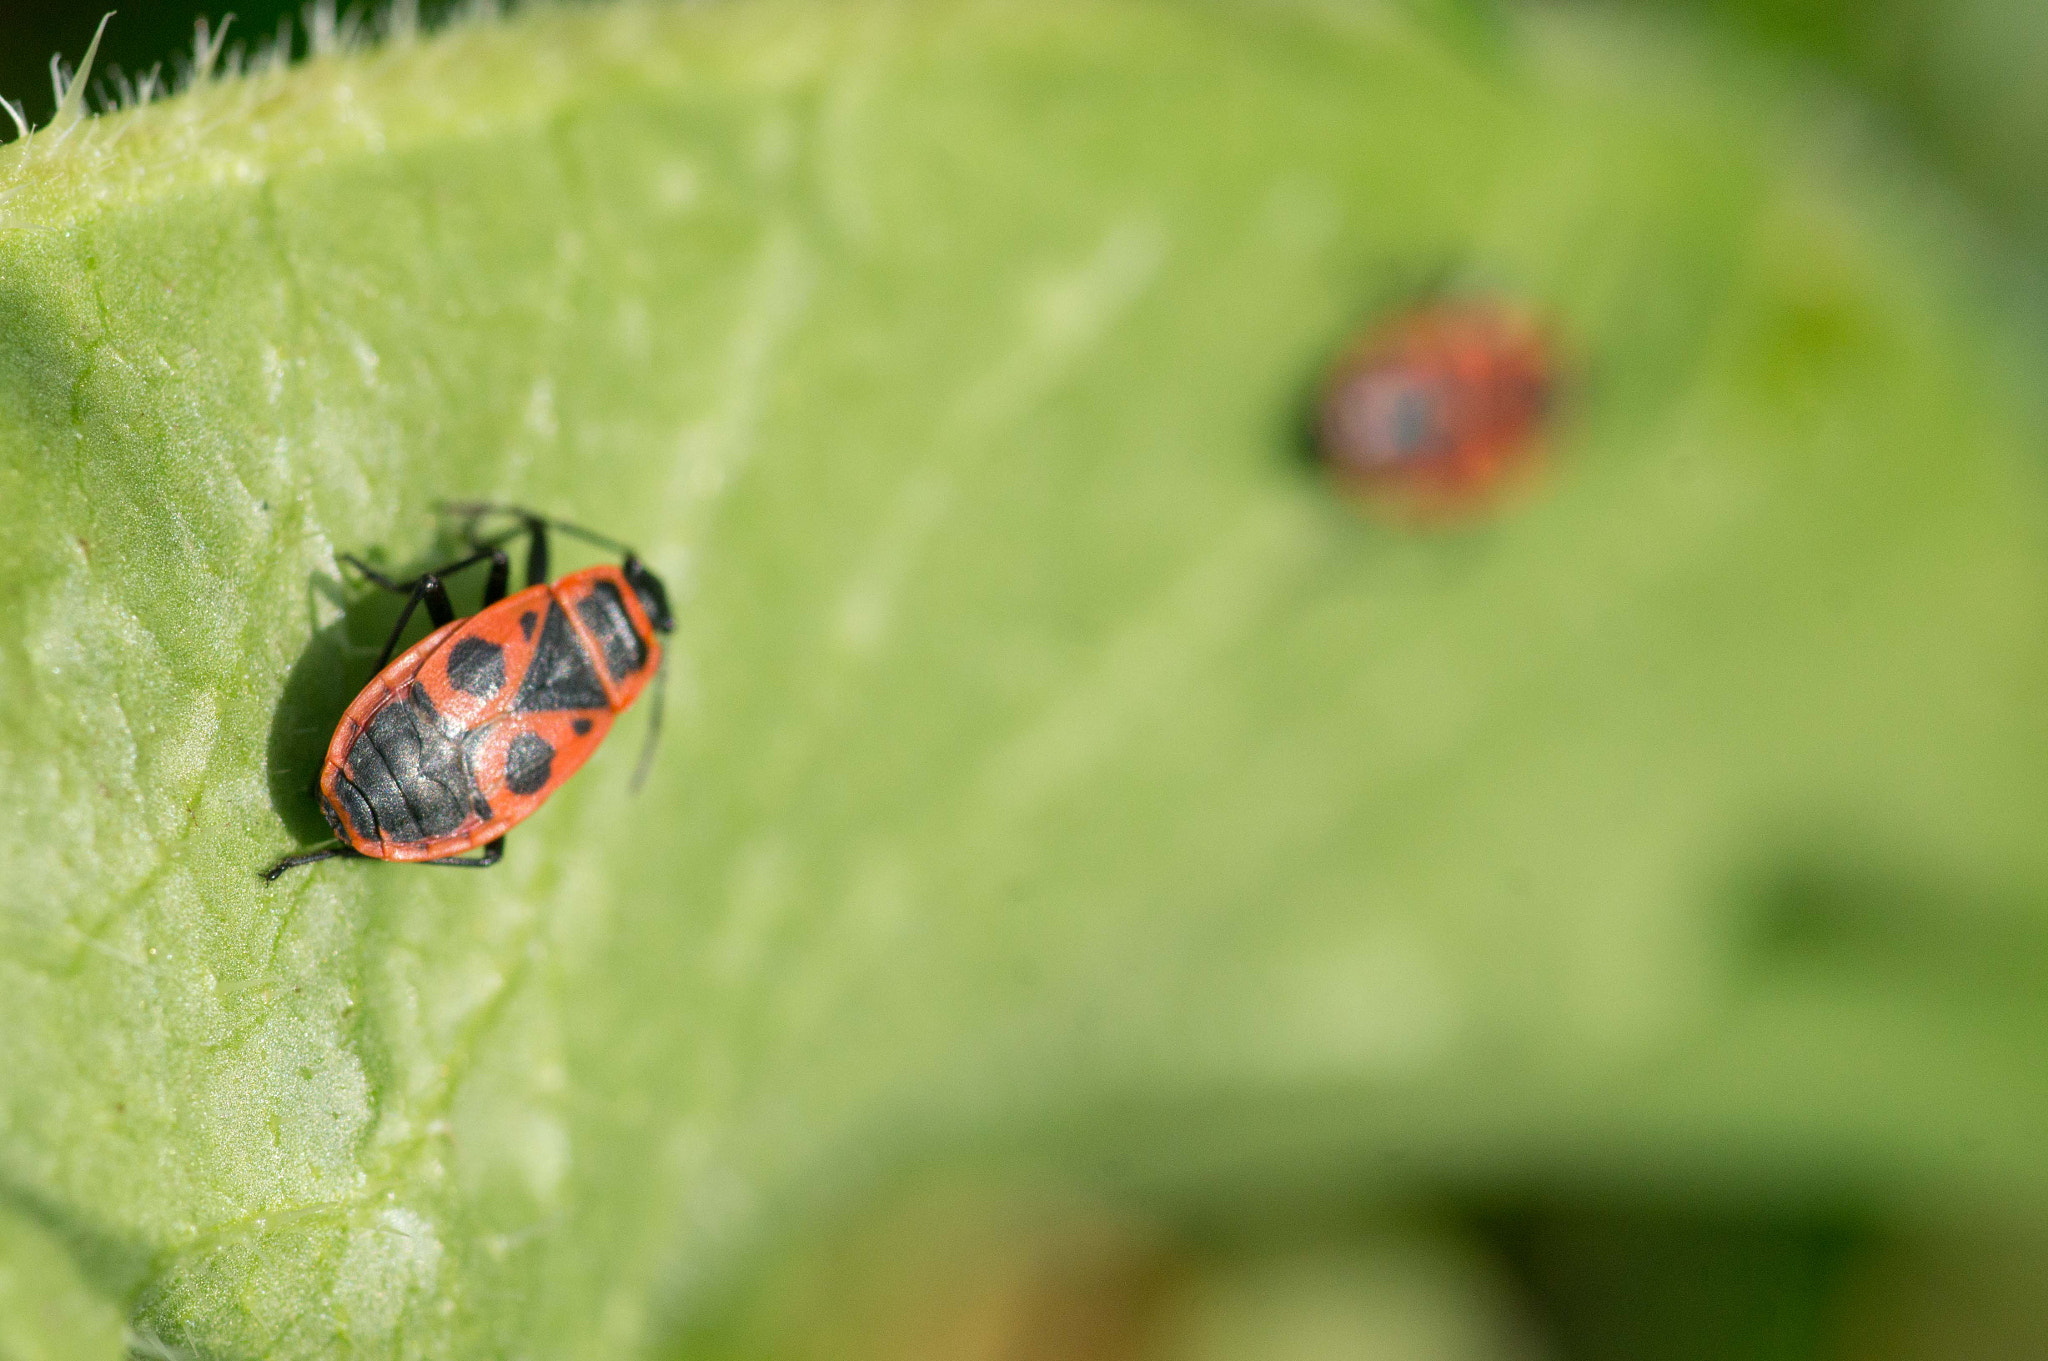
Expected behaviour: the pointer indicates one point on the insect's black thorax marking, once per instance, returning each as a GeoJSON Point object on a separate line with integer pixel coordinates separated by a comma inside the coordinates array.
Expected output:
{"type": "Point", "coordinates": [406, 778]}
{"type": "Point", "coordinates": [603, 612]}
{"type": "Point", "coordinates": [560, 676]}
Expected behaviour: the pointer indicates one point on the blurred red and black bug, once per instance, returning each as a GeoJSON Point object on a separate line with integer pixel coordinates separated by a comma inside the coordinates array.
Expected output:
{"type": "Point", "coordinates": [1437, 405]}
{"type": "Point", "coordinates": [470, 729]}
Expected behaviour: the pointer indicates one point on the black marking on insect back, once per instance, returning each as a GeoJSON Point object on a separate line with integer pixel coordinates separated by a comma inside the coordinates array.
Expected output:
{"type": "Point", "coordinates": [582, 727]}
{"type": "Point", "coordinates": [476, 666]}
{"type": "Point", "coordinates": [560, 675]}
{"type": "Point", "coordinates": [603, 612]}
{"type": "Point", "coordinates": [526, 623]}
{"type": "Point", "coordinates": [528, 762]}
{"type": "Point", "coordinates": [420, 702]}
{"type": "Point", "coordinates": [409, 772]}
{"type": "Point", "coordinates": [358, 811]}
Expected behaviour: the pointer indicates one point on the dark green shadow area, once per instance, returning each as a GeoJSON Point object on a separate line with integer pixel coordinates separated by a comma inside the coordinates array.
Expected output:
{"type": "Point", "coordinates": [1647, 1283]}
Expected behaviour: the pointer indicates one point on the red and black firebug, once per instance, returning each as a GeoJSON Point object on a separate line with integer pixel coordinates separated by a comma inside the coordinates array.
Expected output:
{"type": "Point", "coordinates": [470, 729]}
{"type": "Point", "coordinates": [1438, 405]}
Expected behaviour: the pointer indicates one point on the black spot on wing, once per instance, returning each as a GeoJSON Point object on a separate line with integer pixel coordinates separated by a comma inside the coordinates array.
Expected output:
{"type": "Point", "coordinates": [528, 762]}
{"type": "Point", "coordinates": [526, 623]}
{"type": "Point", "coordinates": [409, 772]}
{"type": "Point", "coordinates": [560, 675]}
{"type": "Point", "coordinates": [603, 612]}
{"type": "Point", "coordinates": [582, 727]}
{"type": "Point", "coordinates": [476, 666]}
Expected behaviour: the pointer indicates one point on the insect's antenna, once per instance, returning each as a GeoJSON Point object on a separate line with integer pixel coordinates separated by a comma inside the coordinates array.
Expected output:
{"type": "Point", "coordinates": [653, 726]}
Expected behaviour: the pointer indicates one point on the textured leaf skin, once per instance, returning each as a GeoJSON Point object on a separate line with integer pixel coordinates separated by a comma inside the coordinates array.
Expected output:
{"type": "Point", "coordinates": [1055, 769]}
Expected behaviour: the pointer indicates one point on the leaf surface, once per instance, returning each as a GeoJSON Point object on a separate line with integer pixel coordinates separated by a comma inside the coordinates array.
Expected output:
{"type": "Point", "coordinates": [1056, 770]}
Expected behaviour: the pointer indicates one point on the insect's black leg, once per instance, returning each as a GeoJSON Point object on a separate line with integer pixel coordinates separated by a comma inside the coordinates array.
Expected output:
{"type": "Point", "coordinates": [493, 852]}
{"type": "Point", "coordinates": [536, 550]}
{"type": "Point", "coordinates": [426, 587]}
{"type": "Point", "coordinates": [494, 585]}
{"type": "Point", "coordinates": [538, 525]}
{"type": "Point", "coordinates": [294, 861]}
{"type": "Point", "coordinates": [483, 551]}
{"type": "Point", "coordinates": [494, 588]}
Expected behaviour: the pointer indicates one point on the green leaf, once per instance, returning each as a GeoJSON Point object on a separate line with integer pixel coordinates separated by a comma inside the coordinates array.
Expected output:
{"type": "Point", "coordinates": [1057, 772]}
{"type": "Point", "coordinates": [1956, 75]}
{"type": "Point", "coordinates": [47, 1308]}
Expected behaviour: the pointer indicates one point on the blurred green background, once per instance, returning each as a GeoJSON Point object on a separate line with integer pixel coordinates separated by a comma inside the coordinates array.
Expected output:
{"type": "Point", "coordinates": [1958, 83]}
{"type": "Point", "coordinates": [1592, 1268]}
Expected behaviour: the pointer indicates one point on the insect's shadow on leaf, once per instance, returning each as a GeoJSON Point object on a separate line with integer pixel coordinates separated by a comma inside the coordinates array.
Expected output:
{"type": "Point", "coordinates": [315, 693]}
{"type": "Point", "coordinates": [338, 661]}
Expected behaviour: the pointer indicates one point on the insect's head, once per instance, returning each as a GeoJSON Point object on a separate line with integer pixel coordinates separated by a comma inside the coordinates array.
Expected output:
{"type": "Point", "coordinates": [653, 596]}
